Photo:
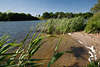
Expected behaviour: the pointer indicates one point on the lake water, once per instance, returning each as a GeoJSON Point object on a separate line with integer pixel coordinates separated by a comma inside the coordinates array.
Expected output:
{"type": "Point", "coordinates": [17, 29]}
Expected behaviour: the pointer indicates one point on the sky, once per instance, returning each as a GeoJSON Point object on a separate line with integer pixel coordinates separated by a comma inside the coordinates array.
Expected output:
{"type": "Point", "coordinates": [36, 7]}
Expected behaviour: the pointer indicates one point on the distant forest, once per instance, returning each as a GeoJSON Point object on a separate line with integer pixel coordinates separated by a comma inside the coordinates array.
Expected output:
{"type": "Point", "coordinates": [16, 17]}
{"type": "Point", "coordinates": [48, 15]}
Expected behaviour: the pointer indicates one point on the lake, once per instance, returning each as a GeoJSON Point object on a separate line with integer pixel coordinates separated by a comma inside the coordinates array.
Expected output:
{"type": "Point", "coordinates": [17, 29]}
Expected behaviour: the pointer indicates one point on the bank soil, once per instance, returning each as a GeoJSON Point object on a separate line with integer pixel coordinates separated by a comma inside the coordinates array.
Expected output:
{"type": "Point", "coordinates": [77, 58]}
{"type": "Point", "coordinates": [88, 40]}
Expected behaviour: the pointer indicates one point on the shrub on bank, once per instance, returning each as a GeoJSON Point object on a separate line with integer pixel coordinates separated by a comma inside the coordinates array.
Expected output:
{"type": "Point", "coordinates": [64, 25]}
{"type": "Point", "coordinates": [93, 25]}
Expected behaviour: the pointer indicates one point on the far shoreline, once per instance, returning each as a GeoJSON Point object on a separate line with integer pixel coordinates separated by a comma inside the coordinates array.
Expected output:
{"type": "Point", "coordinates": [20, 20]}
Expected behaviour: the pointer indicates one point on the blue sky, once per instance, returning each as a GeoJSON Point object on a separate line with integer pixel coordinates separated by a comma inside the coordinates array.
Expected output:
{"type": "Point", "coordinates": [36, 7]}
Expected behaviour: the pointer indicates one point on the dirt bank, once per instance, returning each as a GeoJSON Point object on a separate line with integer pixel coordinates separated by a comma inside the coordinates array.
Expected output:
{"type": "Point", "coordinates": [88, 40]}
{"type": "Point", "coordinates": [78, 57]}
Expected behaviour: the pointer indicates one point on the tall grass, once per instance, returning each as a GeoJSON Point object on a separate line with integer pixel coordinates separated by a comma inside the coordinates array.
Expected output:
{"type": "Point", "coordinates": [64, 25]}
{"type": "Point", "coordinates": [22, 56]}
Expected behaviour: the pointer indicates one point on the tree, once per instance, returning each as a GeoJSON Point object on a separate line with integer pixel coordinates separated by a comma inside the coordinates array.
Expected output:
{"type": "Point", "coordinates": [96, 8]}
{"type": "Point", "coordinates": [60, 15]}
{"type": "Point", "coordinates": [69, 15]}
{"type": "Point", "coordinates": [3, 17]}
{"type": "Point", "coordinates": [46, 15]}
{"type": "Point", "coordinates": [16, 16]}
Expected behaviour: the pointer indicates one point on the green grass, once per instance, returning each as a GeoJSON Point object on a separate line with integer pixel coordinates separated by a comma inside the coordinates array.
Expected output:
{"type": "Point", "coordinates": [60, 26]}
{"type": "Point", "coordinates": [94, 64]}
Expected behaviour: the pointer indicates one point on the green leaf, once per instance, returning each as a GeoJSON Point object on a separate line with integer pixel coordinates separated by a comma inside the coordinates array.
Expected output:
{"type": "Point", "coordinates": [56, 55]}
{"type": "Point", "coordinates": [55, 58]}
{"type": "Point", "coordinates": [57, 45]}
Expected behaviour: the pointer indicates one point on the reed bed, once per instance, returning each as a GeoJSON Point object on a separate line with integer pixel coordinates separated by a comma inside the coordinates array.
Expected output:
{"type": "Point", "coordinates": [60, 26]}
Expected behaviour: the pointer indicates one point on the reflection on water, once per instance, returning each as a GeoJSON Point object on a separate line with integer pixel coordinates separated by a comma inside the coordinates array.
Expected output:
{"type": "Point", "coordinates": [17, 29]}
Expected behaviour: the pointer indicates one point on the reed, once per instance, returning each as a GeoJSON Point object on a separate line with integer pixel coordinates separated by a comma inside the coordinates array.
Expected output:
{"type": "Point", "coordinates": [22, 56]}
{"type": "Point", "coordinates": [60, 26]}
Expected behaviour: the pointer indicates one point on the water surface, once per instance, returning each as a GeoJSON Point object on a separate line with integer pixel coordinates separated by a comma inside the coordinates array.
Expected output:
{"type": "Point", "coordinates": [17, 29]}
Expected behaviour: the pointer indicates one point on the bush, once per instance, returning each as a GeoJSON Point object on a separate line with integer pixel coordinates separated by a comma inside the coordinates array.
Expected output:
{"type": "Point", "coordinates": [93, 25]}
{"type": "Point", "coordinates": [64, 25]}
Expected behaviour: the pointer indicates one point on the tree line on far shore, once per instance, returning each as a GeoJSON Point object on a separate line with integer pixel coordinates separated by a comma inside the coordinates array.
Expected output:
{"type": "Point", "coordinates": [49, 15]}
{"type": "Point", "coordinates": [16, 17]}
